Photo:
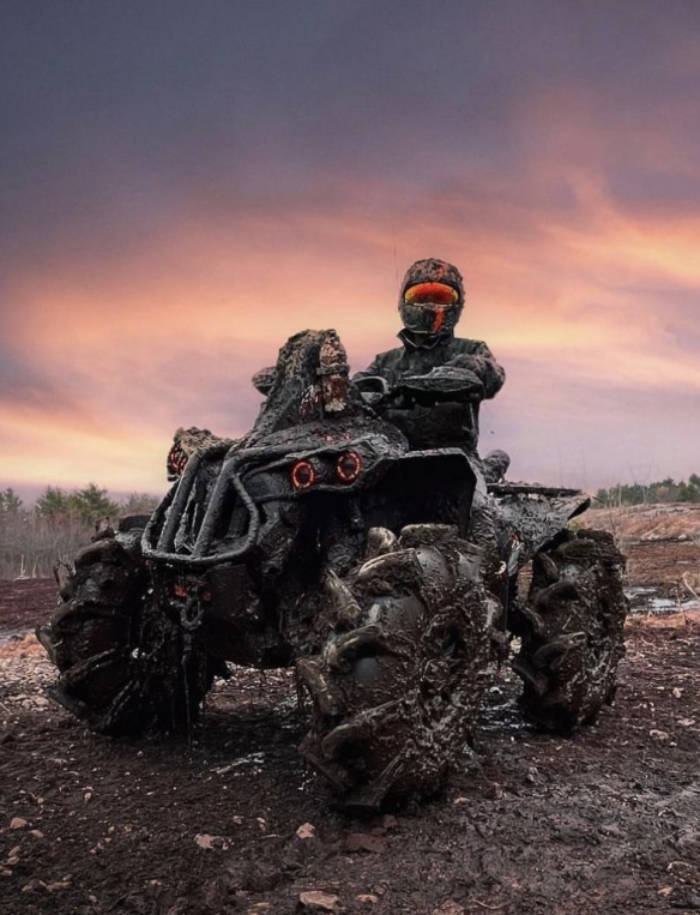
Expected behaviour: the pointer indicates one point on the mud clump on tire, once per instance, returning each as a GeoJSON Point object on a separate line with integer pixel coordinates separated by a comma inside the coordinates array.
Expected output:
{"type": "Point", "coordinates": [125, 668]}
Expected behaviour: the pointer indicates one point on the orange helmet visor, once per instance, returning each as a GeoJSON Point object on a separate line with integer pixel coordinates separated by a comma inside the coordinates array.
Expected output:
{"type": "Point", "coordinates": [433, 293]}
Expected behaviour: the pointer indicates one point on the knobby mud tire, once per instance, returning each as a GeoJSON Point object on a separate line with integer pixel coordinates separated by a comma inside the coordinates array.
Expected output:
{"type": "Point", "coordinates": [571, 628]}
{"type": "Point", "coordinates": [124, 666]}
{"type": "Point", "coordinates": [398, 684]}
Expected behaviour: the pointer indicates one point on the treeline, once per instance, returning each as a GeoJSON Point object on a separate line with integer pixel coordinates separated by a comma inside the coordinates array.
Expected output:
{"type": "Point", "coordinates": [667, 490]}
{"type": "Point", "coordinates": [33, 538]}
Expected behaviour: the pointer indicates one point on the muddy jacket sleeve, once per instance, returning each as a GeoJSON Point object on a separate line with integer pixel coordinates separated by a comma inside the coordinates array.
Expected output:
{"type": "Point", "coordinates": [479, 360]}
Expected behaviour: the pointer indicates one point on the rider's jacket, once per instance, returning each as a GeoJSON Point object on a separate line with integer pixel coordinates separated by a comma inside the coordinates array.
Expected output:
{"type": "Point", "coordinates": [445, 423]}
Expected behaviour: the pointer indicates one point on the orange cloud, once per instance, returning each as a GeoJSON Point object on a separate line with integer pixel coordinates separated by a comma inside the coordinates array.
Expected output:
{"type": "Point", "coordinates": [45, 449]}
{"type": "Point", "coordinates": [171, 334]}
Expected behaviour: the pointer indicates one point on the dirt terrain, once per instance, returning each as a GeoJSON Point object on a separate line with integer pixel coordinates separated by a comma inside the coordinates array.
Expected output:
{"type": "Point", "coordinates": [662, 545]}
{"type": "Point", "coordinates": [606, 822]}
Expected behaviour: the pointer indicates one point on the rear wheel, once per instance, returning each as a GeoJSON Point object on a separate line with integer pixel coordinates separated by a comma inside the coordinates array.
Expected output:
{"type": "Point", "coordinates": [571, 628]}
{"type": "Point", "coordinates": [399, 681]}
{"type": "Point", "coordinates": [125, 667]}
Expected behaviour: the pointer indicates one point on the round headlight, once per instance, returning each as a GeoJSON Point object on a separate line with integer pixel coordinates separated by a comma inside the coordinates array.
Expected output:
{"type": "Point", "coordinates": [303, 475]}
{"type": "Point", "coordinates": [348, 466]}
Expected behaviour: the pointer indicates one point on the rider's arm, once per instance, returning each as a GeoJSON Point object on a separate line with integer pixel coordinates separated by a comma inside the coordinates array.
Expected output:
{"type": "Point", "coordinates": [480, 362]}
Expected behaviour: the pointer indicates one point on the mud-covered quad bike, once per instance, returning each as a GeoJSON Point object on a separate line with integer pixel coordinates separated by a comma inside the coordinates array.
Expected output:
{"type": "Point", "coordinates": [320, 541]}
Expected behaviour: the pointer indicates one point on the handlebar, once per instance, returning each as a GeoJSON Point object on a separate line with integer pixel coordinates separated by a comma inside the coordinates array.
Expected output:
{"type": "Point", "coordinates": [376, 391]}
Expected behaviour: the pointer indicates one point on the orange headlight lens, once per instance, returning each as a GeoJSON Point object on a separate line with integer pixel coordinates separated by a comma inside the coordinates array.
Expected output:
{"type": "Point", "coordinates": [348, 466]}
{"type": "Point", "coordinates": [303, 475]}
{"type": "Point", "coordinates": [433, 293]}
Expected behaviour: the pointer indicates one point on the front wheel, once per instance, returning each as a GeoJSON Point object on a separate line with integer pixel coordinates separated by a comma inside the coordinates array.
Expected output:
{"type": "Point", "coordinates": [124, 666]}
{"type": "Point", "coordinates": [399, 681]}
{"type": "Point", "coordinates": [571, 627]}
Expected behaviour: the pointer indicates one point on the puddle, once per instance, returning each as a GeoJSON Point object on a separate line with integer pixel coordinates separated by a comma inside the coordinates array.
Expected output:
{"type": "Point", "coordinates": [647, 600]}
{"type": "Point", "coordinates": [500, 713]}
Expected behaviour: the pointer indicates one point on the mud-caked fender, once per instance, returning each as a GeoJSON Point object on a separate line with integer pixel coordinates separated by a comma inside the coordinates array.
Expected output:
{"type": "Point", "coordinates": [528, 517]}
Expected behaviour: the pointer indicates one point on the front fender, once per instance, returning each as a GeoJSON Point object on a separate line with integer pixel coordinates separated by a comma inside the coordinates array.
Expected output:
{"type": "Point", "coordinates": [529, 516]}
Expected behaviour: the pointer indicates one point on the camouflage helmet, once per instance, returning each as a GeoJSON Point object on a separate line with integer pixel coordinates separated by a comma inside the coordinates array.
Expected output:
{"type": "Point", "coordinates": [431, 298]}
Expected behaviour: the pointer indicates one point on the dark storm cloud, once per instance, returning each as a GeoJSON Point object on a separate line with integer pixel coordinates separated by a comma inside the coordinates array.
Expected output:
{"type": "Point", "coordinates": [117, 110]}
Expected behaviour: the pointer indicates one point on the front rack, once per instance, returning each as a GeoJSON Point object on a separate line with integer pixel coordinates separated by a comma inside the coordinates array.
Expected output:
{"type": "Point", "coordinates": [168, 516]}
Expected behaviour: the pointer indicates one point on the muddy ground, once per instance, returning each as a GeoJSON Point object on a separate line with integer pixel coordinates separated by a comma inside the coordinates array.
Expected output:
{"type": "Point", "coordinates": [662, 545]}
{"type": "Point", "coordinates": [606, 822]}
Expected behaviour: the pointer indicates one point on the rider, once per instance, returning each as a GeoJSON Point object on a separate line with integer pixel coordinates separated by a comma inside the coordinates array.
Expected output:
{"type": "Point", "coordinates": [435, 382]}
{"type": "Point", "coordinates": [438, 380]}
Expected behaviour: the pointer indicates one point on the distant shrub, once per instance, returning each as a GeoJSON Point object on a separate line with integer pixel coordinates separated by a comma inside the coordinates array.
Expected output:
{"type": "Point", "coordinates": [90, 504]}
{"type": "Point", "coordinates": [33, 540]}
{"type": "Point", "coordinates": [639, 494]}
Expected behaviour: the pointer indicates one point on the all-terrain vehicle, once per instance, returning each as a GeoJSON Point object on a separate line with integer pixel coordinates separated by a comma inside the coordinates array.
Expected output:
{"type": "Point", "coordinates": [320, 541]}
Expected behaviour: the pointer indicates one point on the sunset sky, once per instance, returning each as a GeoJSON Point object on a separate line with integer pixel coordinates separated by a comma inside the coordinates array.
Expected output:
{"type": "Point", "coordinates": [185, 184]}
